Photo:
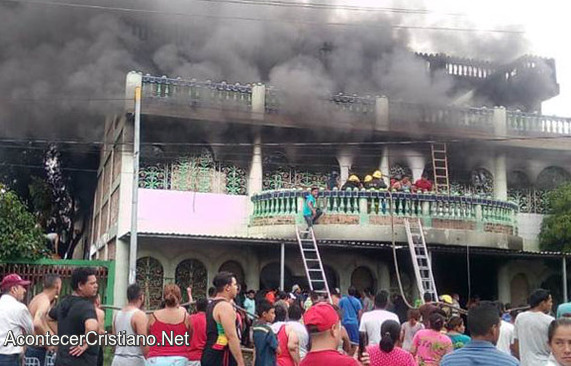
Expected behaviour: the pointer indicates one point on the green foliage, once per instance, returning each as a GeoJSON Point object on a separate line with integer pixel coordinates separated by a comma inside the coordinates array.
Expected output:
{"type": "Point", "coordinates": [20, 238]}
{"type": "Point", "coordinates": [555, 232]}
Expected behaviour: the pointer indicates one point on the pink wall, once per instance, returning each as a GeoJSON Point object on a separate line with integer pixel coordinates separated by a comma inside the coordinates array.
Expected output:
{"type": "Point", "coordinates": [162, 211]}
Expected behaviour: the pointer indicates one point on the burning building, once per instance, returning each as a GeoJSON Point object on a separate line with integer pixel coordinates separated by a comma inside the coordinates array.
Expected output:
{"type": "Point", "coordinates": [224, 167]}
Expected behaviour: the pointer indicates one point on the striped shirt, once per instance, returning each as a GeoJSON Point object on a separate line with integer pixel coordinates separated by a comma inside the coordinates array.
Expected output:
{"type": "Point", "coordinates": [480, 353]}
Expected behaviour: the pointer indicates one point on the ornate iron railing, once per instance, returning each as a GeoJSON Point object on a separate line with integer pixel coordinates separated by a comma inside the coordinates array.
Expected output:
{"type": "Point", "coordinates": [530, 200]}
{"type": "Point", "coordinates": [195, 175]}
{"type": "Point", "coordinates": [367, 204]}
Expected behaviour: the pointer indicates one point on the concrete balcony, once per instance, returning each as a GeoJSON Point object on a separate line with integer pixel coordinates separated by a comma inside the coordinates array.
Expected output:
{"type": "Point", "coordinates": [263, 105]}
{"type": "Point", "coordinates": [371, 216]}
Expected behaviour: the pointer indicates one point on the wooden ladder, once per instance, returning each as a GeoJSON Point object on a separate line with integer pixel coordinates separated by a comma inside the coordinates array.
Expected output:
{"type": "Point", "coordinates": [440, 168]}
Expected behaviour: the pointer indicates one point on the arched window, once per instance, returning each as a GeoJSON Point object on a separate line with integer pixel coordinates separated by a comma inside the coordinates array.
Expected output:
{"type": "Point", "coordinates": [519, 290]}
{"type": "Point", "coordinates": [331, 276]}
{"type": "Point", "coordinates": [363, 278]}
{"type": "Point", "coordinates": [235, 268]}
{"type": "Point", "coordinates": [150, 277]}
{"type": "Point", "coordinates": [552, 177]}
{"type": "Point", "coordinates": [191, 272]}
{"type": "Point", "coordinates": [270, 277]}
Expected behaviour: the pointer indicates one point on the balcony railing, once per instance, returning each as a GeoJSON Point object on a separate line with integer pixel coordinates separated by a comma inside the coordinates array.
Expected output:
{"type": "Point", "coordinates": [199, 93]}
{"type": "Point", "coordinates": [239, 97]}
{"type": "Point", "coordinates": [528, 123]}
{"type": "Point", "coordinates": [375, 207]}
{"type": "Point", "coordinates": [431, 115]}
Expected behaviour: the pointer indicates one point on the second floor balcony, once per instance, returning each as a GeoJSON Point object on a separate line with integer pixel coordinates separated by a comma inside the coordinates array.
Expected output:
{"type": "Point", "coordinates": [375, 215]}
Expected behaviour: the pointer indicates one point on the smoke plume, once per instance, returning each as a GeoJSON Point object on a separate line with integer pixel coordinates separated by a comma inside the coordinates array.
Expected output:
{"type": "Point", "coordinates": [61, 66]}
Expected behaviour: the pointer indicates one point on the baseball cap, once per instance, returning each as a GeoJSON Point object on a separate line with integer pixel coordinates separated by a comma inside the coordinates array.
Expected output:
{"type": "Point", "coordinates": [321, 315]}
{"type": "Point", "coordinates": [12, 280]}
{"type": "Point", "coordinates": [294, 288]}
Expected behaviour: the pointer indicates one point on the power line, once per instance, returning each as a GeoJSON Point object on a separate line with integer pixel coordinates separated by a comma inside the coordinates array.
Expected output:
{"type": "Point", "coordinates": [280, 20]}
{"type": "Point", "coordinates": [43, 167]}
{"type": "Point", "coordinates": [333, 7]}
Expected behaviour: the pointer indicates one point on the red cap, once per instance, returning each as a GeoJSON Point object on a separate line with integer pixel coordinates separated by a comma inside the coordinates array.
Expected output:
{"type": "Point", "coordinates": [12, 280]}
{"type": "Point", "coordinates": [321, 315]}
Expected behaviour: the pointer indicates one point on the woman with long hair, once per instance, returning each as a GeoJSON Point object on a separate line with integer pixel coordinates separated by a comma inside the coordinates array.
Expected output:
{"type": "Point", "coordinates": [559, 339]}
{"type": "Point", "coordinates": [388, 351]}
{"type": "Point", "coordinates": [430, 345]}
{"type": "Point", "coordinates": [171, 321]}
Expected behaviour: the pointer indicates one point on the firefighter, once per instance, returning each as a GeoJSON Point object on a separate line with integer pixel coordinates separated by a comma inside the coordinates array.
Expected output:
{"type": "Point", "coordinates": [377, 180]}
{"type": "Point", "coordinates": [368, 182]}
{"type": "Point", "coordinates": [352, 182]}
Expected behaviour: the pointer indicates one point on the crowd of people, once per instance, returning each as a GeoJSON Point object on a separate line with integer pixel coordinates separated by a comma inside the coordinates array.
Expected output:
{"type": "Point", "coordinates": [285, 329]}
{"type": "Point", "coordinates": [397, 183]}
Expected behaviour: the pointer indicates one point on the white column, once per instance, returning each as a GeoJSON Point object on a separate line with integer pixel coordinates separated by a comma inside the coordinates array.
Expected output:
{"type": "Point", "coordinates": [134, 79]}
{"type": "Point", "coordinates": [500, 177]}
{"type": "Point", "coordinates": [500, 122]}
{"type": "Point", "coordinates": [385, 165]}
{"type": "Point", "coordinates": [256, 173]}
{"type": "Point", "coordinates": [258, 101]}
{"type": "Point", "coordinates": [345, 159]}
{"type": "Point", "coordinates": [382, 113]}
{"type": "Point", "coordinates": [504, 293]}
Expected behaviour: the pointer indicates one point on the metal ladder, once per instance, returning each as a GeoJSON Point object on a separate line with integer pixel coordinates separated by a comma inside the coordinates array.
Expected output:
{"type": "Point", "coordinates": [420, 259]}
{"type": "Point", "coordinates": [312, 261]}
{"type": "Point", "coordinates": [440, 168]}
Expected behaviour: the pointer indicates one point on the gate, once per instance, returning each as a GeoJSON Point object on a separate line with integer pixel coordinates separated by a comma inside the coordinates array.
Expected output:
{"type": "Point", "coordinates": [35, 271]}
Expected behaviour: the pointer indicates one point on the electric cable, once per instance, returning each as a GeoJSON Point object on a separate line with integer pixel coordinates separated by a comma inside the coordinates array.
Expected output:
{"type": "Point", "coordinates": [281, 20]}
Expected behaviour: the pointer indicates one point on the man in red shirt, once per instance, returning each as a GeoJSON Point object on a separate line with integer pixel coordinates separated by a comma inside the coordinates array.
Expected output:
{"type": "Point", "coordinates": [423, 184]}
{"type": "Point", "coordinates": [323, 325]}
{"type": "Point", "coordinates": [198, 340]}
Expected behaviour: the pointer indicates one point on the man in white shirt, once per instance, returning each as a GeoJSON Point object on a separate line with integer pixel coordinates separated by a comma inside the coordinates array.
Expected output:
{"type": "Point", "coordinates": [372, 321]}
{"type": "Point", "coordinates": [530, 331]}
{"type": "Point", "coordinates": [15, 320]}
{"type": "Point", "coordinates": [506, 337]}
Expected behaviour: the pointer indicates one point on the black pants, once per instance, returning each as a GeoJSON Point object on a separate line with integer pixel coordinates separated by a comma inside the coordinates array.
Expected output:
{"type": "Point", "coordinates": [312, 219]}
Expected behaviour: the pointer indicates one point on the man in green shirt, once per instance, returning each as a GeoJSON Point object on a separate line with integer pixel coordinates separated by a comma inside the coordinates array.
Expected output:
{"type": "Point", "coordinates": [311, 212]}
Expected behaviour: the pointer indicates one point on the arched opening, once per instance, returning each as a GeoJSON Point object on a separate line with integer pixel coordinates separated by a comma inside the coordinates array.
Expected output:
{"type": "Point", "coordinates": [191, 272]}
{"type": "Point", "coordinates": [270, 277]}
{"type": "Point", "coordinates": [235, 268]}
{"type": "Point", "coordinates": [150, 277]}
{"type": "Point", "coordinates": [517, 179]}
{"type": "Point", "coordinates": [552, 177]}
{"type": "Point", "coordinates": [519, 290]}
{"type": "Point", "coordinates": [331, 276]}
{"type": "Point", "coordinates": [363, 278]}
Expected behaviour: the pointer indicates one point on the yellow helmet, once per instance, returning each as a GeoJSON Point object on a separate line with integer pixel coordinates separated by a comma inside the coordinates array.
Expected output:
{"type": "Point", "coordinates": [447, 299]}
{"type": "Point", "coordinates": [368, 178]}
{"type": "Point", "coordinates": [377, 174]}
{"type": "Point", "coordinates": [353, 178]}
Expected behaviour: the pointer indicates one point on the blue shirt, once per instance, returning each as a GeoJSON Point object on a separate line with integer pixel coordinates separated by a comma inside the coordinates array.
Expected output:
{"type": "Point", "coordinates": [479, 353]}
{"type": "Point", "coordinates": [306, 209]}
{"type": "Point", "coordinates": [351, 307]}
{"type": "Point", "coordinates": [265, 344]}
{"type": "Point", "coordinates": [564, 310]}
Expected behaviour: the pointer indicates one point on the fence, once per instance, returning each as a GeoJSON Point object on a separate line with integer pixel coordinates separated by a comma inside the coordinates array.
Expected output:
{"type": "Point", "coordinates": [35, 271]}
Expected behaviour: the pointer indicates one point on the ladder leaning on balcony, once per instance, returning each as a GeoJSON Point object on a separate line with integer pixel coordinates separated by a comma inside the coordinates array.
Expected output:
{"type": "Point", "coordinates": [440, 168]}
{"type": "Point", "coordinates": [312, 261]}
{"type": "Point", "coordinates": [420, 259]}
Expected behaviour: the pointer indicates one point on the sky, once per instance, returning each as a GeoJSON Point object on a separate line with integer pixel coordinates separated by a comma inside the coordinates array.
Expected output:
{"type": "Point", "coordinates": [543, 23]}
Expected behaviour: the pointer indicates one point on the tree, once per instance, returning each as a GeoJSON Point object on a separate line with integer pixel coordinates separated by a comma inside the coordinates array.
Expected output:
{"type": "Point", "coordinates": [555, 234]}
{"type": "Point", "coordinates": [20, 237]}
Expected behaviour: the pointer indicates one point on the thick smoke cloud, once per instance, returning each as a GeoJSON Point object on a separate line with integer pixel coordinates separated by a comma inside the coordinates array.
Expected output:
{"type": "Point", "coordinates": [51, 54]}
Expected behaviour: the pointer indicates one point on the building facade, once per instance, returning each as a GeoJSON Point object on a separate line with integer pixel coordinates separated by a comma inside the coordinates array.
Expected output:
{"type": "Point", "coordinates": [224, 168]}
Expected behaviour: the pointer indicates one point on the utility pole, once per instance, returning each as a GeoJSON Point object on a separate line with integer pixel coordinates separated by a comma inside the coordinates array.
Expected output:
{"type": "Point", "coordinates": [135, 199]}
